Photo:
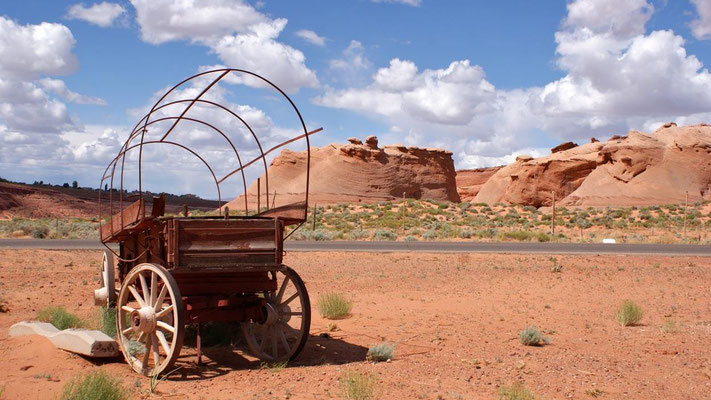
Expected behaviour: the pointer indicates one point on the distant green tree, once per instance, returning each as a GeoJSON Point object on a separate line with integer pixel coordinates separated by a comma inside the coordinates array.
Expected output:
{"type": "Point", "coordinates": [65, 184]}
{"type": "Point", "coordinates": [75, 184]}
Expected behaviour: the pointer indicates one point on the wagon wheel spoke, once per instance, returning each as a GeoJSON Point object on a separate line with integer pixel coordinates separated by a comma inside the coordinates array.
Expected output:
{"type": "Point", "coordinates": [284, 342]}
{"type": "Point", "coordinates": [136, 296]}
{"type": "Point", "coordinates": [290, 299]}
{"type": "Point", "coordinates": [282, 289]}
{"type": "Point", "coordinates": [147, 354]}
{"type": "Point", "coordinates": [162, 313]}
{"type": "Point", "coordinates": [144, 287]}
{"type": "Point", "coordinates": [128, 309]}
{"type": "Point", "coordinates": [165, 326]}
{"type": "Point", "coordinates": [275, 352]}
{"type": "Point", "coordinates": [156, 353]}
{"type": "Point", "coordinates": [163, 342]}
{"type": "Point", "coordinates": [154, 289]}
{"type": "Point", "coordinates": [161, 298]}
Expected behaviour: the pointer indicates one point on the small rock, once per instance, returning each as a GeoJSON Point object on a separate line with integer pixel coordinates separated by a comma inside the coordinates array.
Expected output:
{"type": "Point", "coordinates": [354, 140]}
{"type": "Point", "coordinates": [372, 141]}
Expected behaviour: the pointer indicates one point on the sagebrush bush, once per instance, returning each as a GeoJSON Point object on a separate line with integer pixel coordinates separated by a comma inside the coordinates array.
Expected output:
{"type": "Point", "coordinates": [531, 336]}
{"type": "Point", "coordinates": [59, 317]}
{"type": "Point", "coordinates": [97, 385]}
{"type": "Point", "coordinates": [384, 234]}
{"type": "Point", "coordinates": [358, 386]}
{"type": "Point", "coordinates": [334, 305]}
{"type": "Point", "coordinates": [515, 391]}
{"type": "Point", "coordinates": [629, 313]}
{"type": "Point", "coordinates": [380, 352]}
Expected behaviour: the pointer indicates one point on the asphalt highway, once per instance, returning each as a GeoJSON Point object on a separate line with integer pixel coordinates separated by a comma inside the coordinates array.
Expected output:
{"type": "Point", "coordinates": [422, 247]}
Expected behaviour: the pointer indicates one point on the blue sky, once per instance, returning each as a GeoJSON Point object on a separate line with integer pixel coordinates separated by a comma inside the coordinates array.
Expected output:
{"type": "Point", "coordinates": [487, 80]}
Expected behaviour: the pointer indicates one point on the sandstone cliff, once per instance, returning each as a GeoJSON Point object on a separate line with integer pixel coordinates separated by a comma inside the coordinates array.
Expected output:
{"type": "Point", "coordinates": [470, 181]}
{"type": "Point", "coordinates": [359, 171]}
{"type": "Point", "coordinates": [637, 169]}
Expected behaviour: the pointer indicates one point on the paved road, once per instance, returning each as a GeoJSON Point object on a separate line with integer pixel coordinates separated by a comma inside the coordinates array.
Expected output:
{"type": "Point", "coordinates": [425, 247]}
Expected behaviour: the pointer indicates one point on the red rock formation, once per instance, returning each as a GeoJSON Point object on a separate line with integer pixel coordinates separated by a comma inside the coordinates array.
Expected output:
{"type": "Point", "coordinates": [360, 172]}
{"type": "Point", "coordinates": [470, 181]}
{"type": "Point", "coordinates": [636, 169]}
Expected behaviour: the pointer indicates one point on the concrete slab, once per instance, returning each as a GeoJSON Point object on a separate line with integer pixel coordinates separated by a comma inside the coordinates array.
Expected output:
{"type": "Point", "coordinates": [81, 341]}
{"type": "Point", "coordinates": [33, 328]}
{"type": "Point", "coordinates": [85, 342]}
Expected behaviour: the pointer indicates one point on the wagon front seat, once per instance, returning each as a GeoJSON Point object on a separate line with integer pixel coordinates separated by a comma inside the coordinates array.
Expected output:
{"type": "Point", "coordinates": [158, 206]}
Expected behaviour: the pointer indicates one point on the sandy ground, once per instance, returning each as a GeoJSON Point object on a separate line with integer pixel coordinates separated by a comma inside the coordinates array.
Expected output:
{"type": "Point", "coordinates": [455, 319]}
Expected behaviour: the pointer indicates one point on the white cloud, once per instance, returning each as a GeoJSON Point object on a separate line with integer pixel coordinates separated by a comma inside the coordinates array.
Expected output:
{"type": "Point", "coordinates": [449, 96]}
{"type": "Point", "coordinates": [27, 51]}
{"type": "Point", "coordinates": [258, 51]}
{"type": "Point", "coordinates": [241, 36]}
{"type": "Point", "coordinates": [58, 87]}
{"type": "Point", "coordinates": [414, 3]}
{"type": "Point", "coordinates": [166, 20]}
{"type": "Point", "coordinates": [353, 57]}
{"type": "Point", "coordinates": [701, 26]}
{"type": "Point", "coordinates": [311, 37]}
{"type": "Point", "coordinates": [102, 14]}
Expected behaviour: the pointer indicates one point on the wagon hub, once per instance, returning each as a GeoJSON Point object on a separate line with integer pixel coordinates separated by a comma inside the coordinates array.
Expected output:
{"type": "Point", "coordinates": [272, 315]}
{"type": "Point", "coordinates": [143, 320]}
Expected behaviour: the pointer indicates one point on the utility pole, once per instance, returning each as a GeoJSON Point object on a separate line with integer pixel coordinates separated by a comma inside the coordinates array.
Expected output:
{"type": "Point", "coordinates": [686, 204]}
{"type": "Point", "coordinates": [259, 195]}
{"type": "Point", "coordinates": [403, 211]}
{"type": "Point", "coordinates": [553, 218]}
{"type": "Point", "coordinates": [314, 216]}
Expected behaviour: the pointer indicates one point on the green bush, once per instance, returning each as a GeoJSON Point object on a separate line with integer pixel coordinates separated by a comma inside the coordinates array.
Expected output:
{"type": "Point", "coordinates": [334, 306]}
{"type": "Point", "coordinates": [358, 386]}
{"type": "Point", "coordinates": [107, 321]}
{"type": "Point", "coordinates": [629, 313]}
{"type": "Point", "coordinates": [59, 317]}
{"type": "Point", "coordinates": [97, 385]}
{"type": "Point", "coordinates": [380, 352]}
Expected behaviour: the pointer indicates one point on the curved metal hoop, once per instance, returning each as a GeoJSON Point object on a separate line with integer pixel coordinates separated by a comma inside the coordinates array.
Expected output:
{"type": "Point", "coordinates": [151, 118]}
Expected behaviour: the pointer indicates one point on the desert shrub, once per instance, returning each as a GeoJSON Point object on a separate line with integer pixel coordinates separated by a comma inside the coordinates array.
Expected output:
{"type": "Point", "coordinates": [380, 352]}
{"type": "Point", "coordinates": [431, 234]}
{"type": "Point", "coordinates": [318, 234]}
{"type": "Point", "coordinates": [515, 391]}
{"type": "Point", "coordinates": [629, 313]}
{"type": "Point", "coordinates": [410, 238]}
{"type": "Point", "coordinates": [107, 321]}
{"type": "Point", "coordinates": [384, 234]}
{"type": "Point", "coordinates": [466, 234]}
{"type": "Point", "coordinates": [358, 386]}
{"type": "Point", "coordinates": [525, 236]}
{"type": "Point", "coordinates": [59, 317]}
{"type": "Point", "coordinates": [358, 234]}
{"type": "Point", "coordinates": [334, 305]}
{"type": "Point", "coordinates": [40, 232]}
{"type": "Point", "coordinates": [97, 385]}
{"type": "Point", "coordinates": [531, 336]}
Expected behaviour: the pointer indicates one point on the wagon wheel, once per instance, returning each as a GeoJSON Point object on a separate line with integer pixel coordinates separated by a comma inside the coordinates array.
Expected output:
{"type": "Point", "coordinates": [106, 294]}
{"type": "Point", "coordinates": [149, 319]}
{"type": "Point", "coordinates": [282, 336]}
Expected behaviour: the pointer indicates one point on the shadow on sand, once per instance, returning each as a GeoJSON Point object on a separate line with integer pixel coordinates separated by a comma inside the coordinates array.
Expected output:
{"type": "Point", "coordinates": [220, 360]}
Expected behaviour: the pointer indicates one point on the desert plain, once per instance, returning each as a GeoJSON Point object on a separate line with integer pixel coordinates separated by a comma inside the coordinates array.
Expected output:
{"type": "Point", "coordinates": [454, 319]}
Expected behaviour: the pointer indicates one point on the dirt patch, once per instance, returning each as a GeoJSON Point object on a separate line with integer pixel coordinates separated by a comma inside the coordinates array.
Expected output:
{"type": "Point", "coordinates": [455, 320]}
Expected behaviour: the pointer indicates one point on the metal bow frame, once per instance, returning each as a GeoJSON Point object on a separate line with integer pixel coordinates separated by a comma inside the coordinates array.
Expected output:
{"type": "Point", "coordinates": [141, 128]}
